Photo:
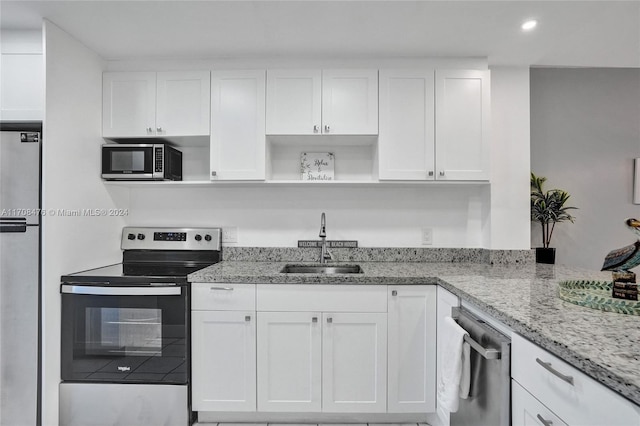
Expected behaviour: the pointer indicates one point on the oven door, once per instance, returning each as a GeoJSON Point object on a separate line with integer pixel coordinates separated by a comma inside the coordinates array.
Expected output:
{"type": "Point", "coordinates": [125, 334]}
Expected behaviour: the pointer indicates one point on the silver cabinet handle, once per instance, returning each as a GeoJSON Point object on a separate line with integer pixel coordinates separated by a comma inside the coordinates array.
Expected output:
{"type": "Point", "coordinates": [149, 130]}
{"type": "Point", "coordinates": [329, 320]}
{"type": "Point", "coordinates": [314, 319]}
{"type": "Point", "coordinates": [222, 288]}
{"type": "Point", "coordinates": [442, 173]}
{"type": "Point", "coordinates": [547, 366]}
{"type": "Point", "coordinates": [327, 128]}
{"type": "Point", "coordinates": [214, 173]}
{"type": "Point", "coordinates": [159, 129]}
{"type": "Point", "coordinates": [430, 173]}
{"type": "Point", "coordinates": [315, 129]}
{"type": "Point", "coordinates": [543, 421]}
{"type": "Point", "coordinates": [247, 318]}
{"type": "Point", "coordinates": [394, 292]}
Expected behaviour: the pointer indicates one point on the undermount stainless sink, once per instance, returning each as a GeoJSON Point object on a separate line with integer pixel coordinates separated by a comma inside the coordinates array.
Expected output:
{"type": "Point", "coordinates": [321, 269]}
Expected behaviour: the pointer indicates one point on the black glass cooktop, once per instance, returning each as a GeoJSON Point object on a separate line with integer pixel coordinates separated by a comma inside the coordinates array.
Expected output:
{"type": "Point", "coordinates": [134, 274]}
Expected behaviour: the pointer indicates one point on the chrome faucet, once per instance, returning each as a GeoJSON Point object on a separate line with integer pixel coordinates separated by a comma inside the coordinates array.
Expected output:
{"type": "Point", "coordinates": [324, 253]}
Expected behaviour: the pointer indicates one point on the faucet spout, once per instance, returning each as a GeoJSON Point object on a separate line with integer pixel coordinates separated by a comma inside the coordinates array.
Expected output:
{"type": "Point", "coordinates": [323, 226]}
{"type": "Point", "coordinates": [324, 253]}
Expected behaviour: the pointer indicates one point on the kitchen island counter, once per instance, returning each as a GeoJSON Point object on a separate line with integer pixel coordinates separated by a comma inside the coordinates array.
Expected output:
{"type": "Point", "coordinates": [603, 345]}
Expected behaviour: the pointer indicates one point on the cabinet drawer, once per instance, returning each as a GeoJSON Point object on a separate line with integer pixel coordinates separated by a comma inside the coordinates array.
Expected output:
{"type": "Point", "coordinates": [584, 401]}
{"type": "Point", "coordinates": [223, 297]}
{"type": "Point", "coordinates": [322, 298]}
{"type": "Point", "coordinates": [528, 411]}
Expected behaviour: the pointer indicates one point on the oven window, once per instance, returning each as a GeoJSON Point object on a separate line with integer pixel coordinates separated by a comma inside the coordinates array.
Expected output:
{"type": "Point", "coordinates": [127, 161]}
{"type": "Point", "coordinates": [123, 331]}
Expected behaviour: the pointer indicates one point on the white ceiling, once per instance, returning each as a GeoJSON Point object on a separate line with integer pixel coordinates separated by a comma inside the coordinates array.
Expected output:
{"type": "Point", "coordinates": [570, 33]}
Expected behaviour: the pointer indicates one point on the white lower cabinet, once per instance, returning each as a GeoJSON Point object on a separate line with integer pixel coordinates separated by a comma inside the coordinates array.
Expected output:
{"type": "Point", "coordinates": [289, 361]}
{"type": "Point", "coordinates": [224, 354]}
{"type": "Point", "coordinates": [412, 349]}
{"type": "Point", "coordinates": [223, 347]}
{"type": "Point", "coordinates": [528, 411]}
{"type": "Point", "coordinates": [354, 362]}
{"type": "Point", "coordinates": [568, 393]}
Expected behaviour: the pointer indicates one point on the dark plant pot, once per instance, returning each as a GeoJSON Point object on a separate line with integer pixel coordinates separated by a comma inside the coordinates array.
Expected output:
{"type": "Point", "coordinates": [546, 255]}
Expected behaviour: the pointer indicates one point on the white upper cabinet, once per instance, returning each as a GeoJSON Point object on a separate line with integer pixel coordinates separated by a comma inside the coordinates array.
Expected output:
{"type": "Point", "coordinates": [128, 104]}
{"type": "Point", "coordinates": [238, 125]}
{"type": "Point", "coordinates": [350, 102]}
{"type": "Point", "coordinates": [406, 141]}
{"type": "Point", "coordinates": [313, 102]}
{"type": "Point", "coordinates": [462, 124]}
{"type": "Point", "coordinates": [294, 102]}
{"type": "Point", "coordinates": [150, 104]}
{"type": "Point", "coordinates": [183, 103]}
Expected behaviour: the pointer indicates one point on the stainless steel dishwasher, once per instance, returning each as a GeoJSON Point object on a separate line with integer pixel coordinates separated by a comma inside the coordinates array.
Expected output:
{"type": "Point", "coordinates": [489, 401]}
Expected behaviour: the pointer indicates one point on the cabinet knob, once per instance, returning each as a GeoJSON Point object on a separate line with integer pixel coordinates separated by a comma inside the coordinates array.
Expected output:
{"type": "Point", "coordinates": [247, 318]}
{"type": "Point", "coordinates": [327, 129]}
{"type": "Point", "coordinates": [214, 173]}
{"type": "Point", "coordinates": [315, 129]}
{"type": "Point", "coordinates": [329, 320]}
{"type": "Point", "coordinates": [430, 173]}
{"type": "Point", "coordinates": [394, 292]}
{"type": "Point", "coordinates": [159, 129]}
{"type": "Point", "coordinates": [441, 173]}
{"type": "Point", "coordinates": [149, 130]}
{"type": "Point", "coordinates": [314, 319]}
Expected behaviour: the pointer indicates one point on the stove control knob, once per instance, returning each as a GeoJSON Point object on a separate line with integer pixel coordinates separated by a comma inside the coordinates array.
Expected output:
{"type": "Point", "coordinates": [141, 236]}
{"type": "Point", "coordinates": [207, 237]}
{"type": "Point", "coordinates": [198, 237]}
{"type": "Point", "coordinates": [131, 236]}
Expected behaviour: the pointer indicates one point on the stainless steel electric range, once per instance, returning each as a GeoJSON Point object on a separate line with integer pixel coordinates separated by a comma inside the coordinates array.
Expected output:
{"type": "Point", "coordinates": [125, 343]}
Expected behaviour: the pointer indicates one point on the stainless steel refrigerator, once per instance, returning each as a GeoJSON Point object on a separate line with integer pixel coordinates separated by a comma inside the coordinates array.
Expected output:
{"type": "Point", "coordinates": [20, 216]}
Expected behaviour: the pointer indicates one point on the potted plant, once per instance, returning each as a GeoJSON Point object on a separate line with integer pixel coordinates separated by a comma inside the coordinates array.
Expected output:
{"type": "Point", "coordinates": [548, 208]}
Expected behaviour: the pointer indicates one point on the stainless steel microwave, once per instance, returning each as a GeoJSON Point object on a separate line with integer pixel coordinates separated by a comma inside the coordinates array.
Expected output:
{"type": "Point", "coordinates": [143, 161]}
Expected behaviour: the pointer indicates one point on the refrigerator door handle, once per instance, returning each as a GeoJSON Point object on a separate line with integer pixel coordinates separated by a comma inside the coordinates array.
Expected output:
{"type": "Point", "coordinates": [18, 224]}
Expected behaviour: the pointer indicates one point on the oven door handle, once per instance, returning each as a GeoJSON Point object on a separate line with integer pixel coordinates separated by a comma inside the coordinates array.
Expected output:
{"type": "Point", "coordinates": [121, 291]}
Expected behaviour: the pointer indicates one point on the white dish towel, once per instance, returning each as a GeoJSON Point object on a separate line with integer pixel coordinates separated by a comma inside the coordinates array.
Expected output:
{"type": "Point", "coordinates": [455, 376]}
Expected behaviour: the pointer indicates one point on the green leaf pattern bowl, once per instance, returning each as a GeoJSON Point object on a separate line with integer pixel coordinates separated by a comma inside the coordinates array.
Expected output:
{"type": "Point", "coordinates": [596, 295]}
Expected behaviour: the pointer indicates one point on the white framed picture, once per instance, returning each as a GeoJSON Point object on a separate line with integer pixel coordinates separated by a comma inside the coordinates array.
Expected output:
{"type": "Point", "coordinates": [317, 165]}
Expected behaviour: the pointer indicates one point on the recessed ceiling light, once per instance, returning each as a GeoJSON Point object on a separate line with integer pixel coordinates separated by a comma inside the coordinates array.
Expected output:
{"type": "Point", "coordinates": [529, 25]}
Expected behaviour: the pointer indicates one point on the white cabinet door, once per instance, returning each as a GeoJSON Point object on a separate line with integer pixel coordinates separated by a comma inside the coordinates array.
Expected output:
{"type": "Point", "coordinates": [462, 124]}
{"type": "Point", "coordinates": [350, 102]}
{"type": "Point", "coordinates": [238, 125]}
{"type": "Point", "coordinates": [289, 361]}
{"type": "Point", "coordinates": [183, 103]}
{"type": "Point", "coordinates": [128, 104]}
{"type": "Point", "coordinates": [406, 141]}
{"type": "Point", "coordinates": [224, 360]}
{"type": "Point", "coordinates": [528, 411]}
{"type": "Point", "coordinates": [354, 362]}
{"type": "Point", "coordinates": [294, 102]}
{"type": "Point", "coordinates": [412, 349]}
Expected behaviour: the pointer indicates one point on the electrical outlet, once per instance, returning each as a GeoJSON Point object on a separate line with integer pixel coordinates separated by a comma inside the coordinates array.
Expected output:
{"type": "Point", "coordinates": [427, 236]}
{"type": "Point", "coordinates": [230, 234]}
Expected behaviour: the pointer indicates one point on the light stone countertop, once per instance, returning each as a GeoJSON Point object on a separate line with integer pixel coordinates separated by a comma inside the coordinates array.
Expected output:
{"type": "Point", "coordinates": [605, 346]}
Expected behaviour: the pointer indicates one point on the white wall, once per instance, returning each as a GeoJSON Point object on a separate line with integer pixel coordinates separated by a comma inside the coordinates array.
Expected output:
{"type": "Point", "coordinates": [585, 132]}
{"type": "Point", "coordinates": [71, 180]}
